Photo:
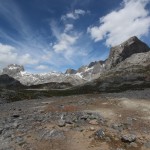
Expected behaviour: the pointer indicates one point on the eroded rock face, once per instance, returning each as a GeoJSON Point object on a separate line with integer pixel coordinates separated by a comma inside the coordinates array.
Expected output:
{"type": "Point", "coordinates": [120, 52]}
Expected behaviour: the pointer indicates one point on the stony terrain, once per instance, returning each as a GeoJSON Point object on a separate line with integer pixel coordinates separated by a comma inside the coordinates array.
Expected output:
{"type": "Point", "coordinates": [51, 115]}
{"type": "Point", "coordinates": [112, 121]}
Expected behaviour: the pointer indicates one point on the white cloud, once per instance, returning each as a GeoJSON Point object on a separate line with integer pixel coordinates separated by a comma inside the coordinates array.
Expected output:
{"type": "Point", "coordinates": [131, 19]}
{"type": "Point", "coordinates": [68, 27]}
{"type": "Point", "coordinates": [42, 67]}
{"type": "Point", "coordinates": [9, 55]}
{"type": "Point", "coordinates": [64, 42]}
{"type": "Point", "coordinates": [27, 59]}
{"type": "Point", "coordinates": [74, 14]}
{"type": "Point", "coordinates": [80, 12]}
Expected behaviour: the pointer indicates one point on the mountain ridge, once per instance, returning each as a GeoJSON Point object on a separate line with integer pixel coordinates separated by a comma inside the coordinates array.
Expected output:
{"type": "Point", "coordinates": [87, 73]}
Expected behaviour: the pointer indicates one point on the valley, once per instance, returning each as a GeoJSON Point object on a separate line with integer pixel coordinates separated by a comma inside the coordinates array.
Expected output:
{"type": "Point", "coordinates": [101, 106]}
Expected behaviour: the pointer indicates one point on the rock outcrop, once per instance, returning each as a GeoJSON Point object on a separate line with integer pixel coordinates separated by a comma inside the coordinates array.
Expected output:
{"type": "Point", "coordinates": [126, 68]}
{"type": "Point", "coordinates": [120, 52]}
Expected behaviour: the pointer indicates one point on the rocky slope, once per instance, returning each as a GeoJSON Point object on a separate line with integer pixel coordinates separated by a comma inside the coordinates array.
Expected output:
{"type": "Point", "coordinates": [124, 72]}
{"type": "Point", "coordinates": [9, 82]}
{"type": "Point", "coordinates": [112, 121]}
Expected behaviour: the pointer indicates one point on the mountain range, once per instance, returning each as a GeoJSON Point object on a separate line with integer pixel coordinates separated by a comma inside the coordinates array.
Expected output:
{"type": "Point", "coordinates": [128, 63]}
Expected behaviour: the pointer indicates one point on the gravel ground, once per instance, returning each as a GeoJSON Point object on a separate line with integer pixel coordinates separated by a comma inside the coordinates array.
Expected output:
{"type": "Point", "coordinates": [111, 121]}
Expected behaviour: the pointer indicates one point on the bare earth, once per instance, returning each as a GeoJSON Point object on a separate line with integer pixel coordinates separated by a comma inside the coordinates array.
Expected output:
{"type": "Point", "coordinates": [73, 122]}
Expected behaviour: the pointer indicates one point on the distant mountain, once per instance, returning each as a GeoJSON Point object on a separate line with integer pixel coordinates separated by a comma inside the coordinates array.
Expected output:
{"type": "Point", "coordinates": [127, 64]}
{"type": "Point", "coordinates": [18, 72]}
{"type": "Point", "coordinates": [89, 72]}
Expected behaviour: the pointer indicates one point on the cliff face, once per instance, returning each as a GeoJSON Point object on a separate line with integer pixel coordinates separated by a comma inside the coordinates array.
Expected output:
{"type": "Point", "coordinates": [128, 67]}
{"type": "Point", "coordinates": [119, 53]}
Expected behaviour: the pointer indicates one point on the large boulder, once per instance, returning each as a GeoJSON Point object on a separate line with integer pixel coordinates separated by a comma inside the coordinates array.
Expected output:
{"type": "Point", "coordinates": [120, 52]}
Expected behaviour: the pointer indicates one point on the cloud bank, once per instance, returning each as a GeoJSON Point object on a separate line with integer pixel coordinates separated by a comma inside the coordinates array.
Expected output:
{"type": "Point", "coordinates": [131, 19]}
{"type": "Point", "coordinates": [9, 54]}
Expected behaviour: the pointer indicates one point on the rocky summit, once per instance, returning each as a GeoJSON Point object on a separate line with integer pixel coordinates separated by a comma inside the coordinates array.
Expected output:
{"type": "Point", "coordinates": [120, 52]}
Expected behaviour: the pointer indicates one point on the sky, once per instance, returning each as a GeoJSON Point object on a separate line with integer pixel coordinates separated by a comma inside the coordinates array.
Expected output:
{"type": "Point", "coordinates": [53, 35]}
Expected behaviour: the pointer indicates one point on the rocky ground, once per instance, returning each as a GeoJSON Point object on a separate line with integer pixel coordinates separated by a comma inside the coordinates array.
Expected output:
{"type": "Point", "coordinates": [112, 121]}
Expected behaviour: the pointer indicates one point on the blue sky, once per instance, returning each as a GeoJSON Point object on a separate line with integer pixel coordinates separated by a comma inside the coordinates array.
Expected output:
{"type": "Point", "coordinates": [53, 35]}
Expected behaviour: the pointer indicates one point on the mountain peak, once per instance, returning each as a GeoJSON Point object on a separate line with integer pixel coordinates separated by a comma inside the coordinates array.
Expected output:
{"type": "Point", "coordinates": [13, 69]}
{"type": "Point", "coordinates": [120, 52]}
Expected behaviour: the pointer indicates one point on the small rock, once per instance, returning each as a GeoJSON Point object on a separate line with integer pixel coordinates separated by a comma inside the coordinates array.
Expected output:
{"type": "Point", "coordinates": [107, 139]}
{"type": "Point", "coordinates": [15, 124]}
{"type": "Point", "coordinates": [84, 117]}
{"type": "Point", "coordinates": [16, 116]}
{"type": "Point", "coordinates": [100, 133]}
{"type": "Point", "coordinates": [92, 128]}
{"type": "Point", "coordinates": [1, 130]}
{"type": "Point", "coordinates": [93, 122]}
{"type": "Point", "coordinates": [128, 138]}
{"type": "Point", "coordinates": [133, 144]}
{"type": "Point", "coordinates": [61, 123]}
{"type": "Point", "coordinates": [68, 121]}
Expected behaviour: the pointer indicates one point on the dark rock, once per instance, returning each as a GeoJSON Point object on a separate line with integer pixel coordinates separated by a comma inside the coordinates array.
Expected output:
{"type": "Point", "coordinates": [95, 63]}
{"type": "Point", "coordinates": [16, 116]}
{"type": "Point", "coordinates": [1, 130]}
{"type": "Point", "coordinates": [9, 82]}
{"type": "Point", "coordinates": [100, 134]}
{"type": "Point", "coordinates": [128, 138]}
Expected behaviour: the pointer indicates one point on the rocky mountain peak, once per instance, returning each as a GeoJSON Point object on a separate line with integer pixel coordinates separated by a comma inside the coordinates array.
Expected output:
{"type": "Point", "coordinates": [12, 69]}
{"type": "Point", "coordinates": [70, 71]}
{"type": "Point", "coordinates": [120, 52]}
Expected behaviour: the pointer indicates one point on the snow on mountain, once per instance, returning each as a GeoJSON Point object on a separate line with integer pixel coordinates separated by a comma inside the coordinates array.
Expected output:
{"type": "Point", "coordinates": [17, 72]}
{"type": "Point", "coordinates": [91, 71]}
